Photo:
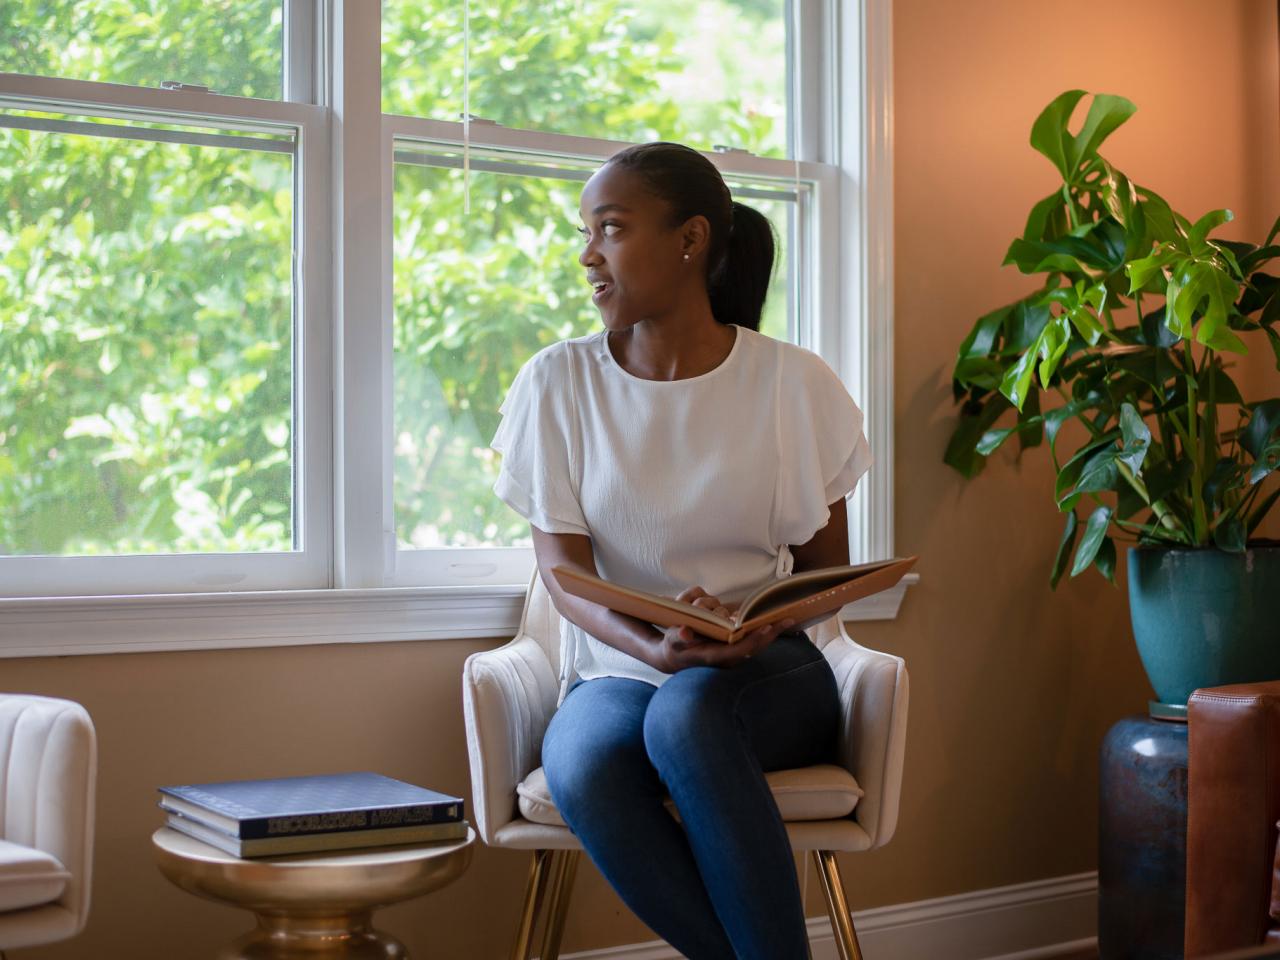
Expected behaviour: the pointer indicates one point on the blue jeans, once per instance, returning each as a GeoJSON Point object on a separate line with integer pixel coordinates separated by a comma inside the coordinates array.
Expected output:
{"type": "Point", "coordinates": [723, 885]}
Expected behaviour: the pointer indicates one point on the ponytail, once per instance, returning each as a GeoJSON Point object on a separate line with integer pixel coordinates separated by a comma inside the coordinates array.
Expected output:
{"type": "Point", "coordinates": [738, 284]}
{"type": "Point", "coordinates": [741, 251]}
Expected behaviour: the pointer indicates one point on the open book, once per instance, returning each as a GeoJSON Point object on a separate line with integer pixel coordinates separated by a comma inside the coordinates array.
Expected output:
{"type": "Point", "coordinates": [807, 598]}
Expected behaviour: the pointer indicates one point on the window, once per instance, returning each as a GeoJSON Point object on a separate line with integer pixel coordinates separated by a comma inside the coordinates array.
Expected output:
{"type": "Point", "coordinates": [232, 48]}
{"type": "Point", "coordinates": [147, 314]}
{"type": "Point", "coordinates": [163, 389]}
{"type": "Point", "coordinates": [254, 337]}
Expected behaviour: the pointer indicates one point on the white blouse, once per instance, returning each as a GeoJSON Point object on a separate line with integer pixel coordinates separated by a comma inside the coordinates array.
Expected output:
{"type": "Point", "coordinates": [700, 481]}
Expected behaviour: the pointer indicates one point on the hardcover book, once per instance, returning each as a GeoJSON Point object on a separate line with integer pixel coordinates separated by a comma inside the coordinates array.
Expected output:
{"type": "Point", "coordinates": [315, 842]}
{"type": "Point", "coordinates": [330, 803]}
{"type": "Point", "coordinates": [807, 598]}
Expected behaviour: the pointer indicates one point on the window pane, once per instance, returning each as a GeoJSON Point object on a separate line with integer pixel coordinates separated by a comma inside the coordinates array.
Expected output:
{"type": "Point", "coordinates": [476, 295]}
{"type": "Point", "coordinates": [146, 339]}
{"type": "Point", "coordinates": [706, 73]}
{"type": "Point", "coordinates": [230, 46]}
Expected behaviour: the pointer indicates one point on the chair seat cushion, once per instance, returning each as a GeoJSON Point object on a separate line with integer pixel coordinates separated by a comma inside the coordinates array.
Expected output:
{"type": "Point", "coordinates": [29, 878]}
{"type": "Point", "coordinates": [822, 792]}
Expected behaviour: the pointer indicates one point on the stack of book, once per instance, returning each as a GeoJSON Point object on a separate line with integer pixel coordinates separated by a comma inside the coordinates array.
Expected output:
{"type": "Point", "coordinates": [263, 818]}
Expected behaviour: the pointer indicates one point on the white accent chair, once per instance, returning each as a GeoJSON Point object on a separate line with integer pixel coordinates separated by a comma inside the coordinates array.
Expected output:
{"type": "Point", "coordinates": [48, 768]}
{"type": "Point", "coordinates": [510, 693]}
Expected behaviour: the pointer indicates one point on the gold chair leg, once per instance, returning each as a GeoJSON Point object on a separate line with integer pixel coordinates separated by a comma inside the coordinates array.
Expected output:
{"type": "Point", "coordinates": [533, 897]}
{"type": "Point", "coordinates": [837, 906]}
{"type": "Point", "coordinates": [565, 870]}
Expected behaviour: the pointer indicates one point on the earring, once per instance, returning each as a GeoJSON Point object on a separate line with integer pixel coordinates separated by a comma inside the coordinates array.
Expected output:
{"type": "Point", "coordinates": [686, 258]}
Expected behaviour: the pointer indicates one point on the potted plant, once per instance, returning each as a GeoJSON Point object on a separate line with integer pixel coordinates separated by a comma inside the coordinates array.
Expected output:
{"type": "Point", "coordinates": [1127, 346]}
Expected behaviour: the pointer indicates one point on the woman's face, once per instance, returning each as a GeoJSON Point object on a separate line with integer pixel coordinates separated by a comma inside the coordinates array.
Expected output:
{"type": "Point", "coordinates": [634, 256]}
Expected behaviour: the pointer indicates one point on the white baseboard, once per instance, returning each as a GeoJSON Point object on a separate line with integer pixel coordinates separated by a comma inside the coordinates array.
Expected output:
{"type": "Point", "coordinates": [1027, 921]}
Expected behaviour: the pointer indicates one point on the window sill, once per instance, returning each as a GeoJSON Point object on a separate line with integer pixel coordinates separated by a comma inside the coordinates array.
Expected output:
{"type": "Point", "coordinates": [70, 626]}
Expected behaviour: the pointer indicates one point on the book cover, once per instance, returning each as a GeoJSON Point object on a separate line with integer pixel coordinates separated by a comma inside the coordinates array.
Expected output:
{"type": "Point", "coordinates": [807, 598]}
{"type": "Point", "coordinates": [329, 803]}
{"type": "Point", "coordinates": [315, 842]}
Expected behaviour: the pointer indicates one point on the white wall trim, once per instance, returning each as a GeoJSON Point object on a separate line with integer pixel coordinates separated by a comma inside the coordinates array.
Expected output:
{"type": "Point", "coordinates": [863, 149]}
{"type": "Point", "coordinates": [1027, 921]}
{"type": "Point", "coordinates": [63, 626]}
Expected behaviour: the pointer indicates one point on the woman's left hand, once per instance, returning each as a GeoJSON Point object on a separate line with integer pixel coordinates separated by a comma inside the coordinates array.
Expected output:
{"type": "Point", "coordinates": [682, 647]}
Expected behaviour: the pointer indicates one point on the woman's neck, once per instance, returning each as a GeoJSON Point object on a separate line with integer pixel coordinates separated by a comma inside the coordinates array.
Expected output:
{"type": "Point", "coordinates": [673, 348]}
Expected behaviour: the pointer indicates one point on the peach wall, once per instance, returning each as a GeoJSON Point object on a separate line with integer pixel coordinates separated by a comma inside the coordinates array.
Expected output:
{"type": "Point", "coordinates": [1013, 686]}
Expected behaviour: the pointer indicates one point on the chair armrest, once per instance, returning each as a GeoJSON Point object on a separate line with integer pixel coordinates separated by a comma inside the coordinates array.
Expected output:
{"type": "Point", "coordinates": [48, 773]}
{"type": "Point", "coordinates": [508, 697]}
{"type": "Point", "coordinates": [872, 744]}
{"type": "Point", "coordinates": [1233, 802]}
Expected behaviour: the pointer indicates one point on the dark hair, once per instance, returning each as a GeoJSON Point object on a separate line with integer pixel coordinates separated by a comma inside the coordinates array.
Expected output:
{"type": "Point", "coordinates": [740, 255]}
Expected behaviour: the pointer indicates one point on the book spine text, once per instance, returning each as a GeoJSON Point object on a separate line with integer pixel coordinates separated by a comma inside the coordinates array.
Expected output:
{"type": "Point", "coordinates": [344, 820]}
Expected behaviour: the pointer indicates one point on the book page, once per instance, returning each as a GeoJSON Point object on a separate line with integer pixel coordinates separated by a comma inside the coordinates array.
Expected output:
{"type": "Point", "coordinates": [799, 585]}
{"type": "Point", "coordinates": [817, 597]}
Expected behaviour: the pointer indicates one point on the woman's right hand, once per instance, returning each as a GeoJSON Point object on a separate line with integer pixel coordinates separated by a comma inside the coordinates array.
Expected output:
{"type": "Point", "coordinates": [681, 647]}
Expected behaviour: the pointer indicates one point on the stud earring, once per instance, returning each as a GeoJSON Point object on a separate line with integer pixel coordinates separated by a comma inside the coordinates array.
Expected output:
{"type": "Point", "coordinates": [686, 258]}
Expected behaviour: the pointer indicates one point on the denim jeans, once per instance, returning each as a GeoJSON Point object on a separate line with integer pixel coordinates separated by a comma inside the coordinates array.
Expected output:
{"type": "Point", "coordinates": [723, 885]}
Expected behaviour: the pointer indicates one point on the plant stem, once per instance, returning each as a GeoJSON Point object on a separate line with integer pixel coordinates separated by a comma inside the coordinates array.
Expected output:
{"type": "Point", "coordinates": [1200, 523]}
{"type": "Point", "coordinates": [1071, 206]}
{"type": "Point", "coordinates": [1180, 430]}
{"type": "Point", "coordinates": [1243, 506]}
{"type": "Point", "coordinates": [1209, 434]}
{"type": "Point", "coordinates": [1160, 394]}
{"type": "Point", "coordinates": [1165, 516]}
{"type": "Point", "coordinates": [1155, 532]}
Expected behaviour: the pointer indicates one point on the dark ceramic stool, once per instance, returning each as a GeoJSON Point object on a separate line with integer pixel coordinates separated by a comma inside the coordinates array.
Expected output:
{"type": "Point", "coordinates": [1142, 840]}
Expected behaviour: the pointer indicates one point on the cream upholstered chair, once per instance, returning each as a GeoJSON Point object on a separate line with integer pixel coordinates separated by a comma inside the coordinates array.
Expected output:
{"type": "Point", "coordinates": [510, 693]}
{"type": "Point", "coordinates": [48, 768]}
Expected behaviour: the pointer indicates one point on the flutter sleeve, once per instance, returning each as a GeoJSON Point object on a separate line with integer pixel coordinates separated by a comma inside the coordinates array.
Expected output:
{"type": "Point", "coordinates": [535, 438]}
{"type": "Point", "coordinates": [823, 449]}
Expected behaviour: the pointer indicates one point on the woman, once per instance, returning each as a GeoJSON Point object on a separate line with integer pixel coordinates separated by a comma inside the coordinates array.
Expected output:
{"type": "Point", "coordinates": [682, 452]}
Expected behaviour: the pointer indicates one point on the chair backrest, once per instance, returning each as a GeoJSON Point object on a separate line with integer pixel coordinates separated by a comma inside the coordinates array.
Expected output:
{"type": "Point", "coordinates": [541, 620]}
{"type": "Point", "coordinates": [508, 698]}
{"type": "Point", "coordinates": [874, 693]}
{"type": "Point", "coordinates": [48, 772]}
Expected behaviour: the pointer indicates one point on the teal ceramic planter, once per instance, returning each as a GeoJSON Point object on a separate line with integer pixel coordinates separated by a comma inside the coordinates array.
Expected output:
{"type": "Point", "coordinates": [1203, 618]}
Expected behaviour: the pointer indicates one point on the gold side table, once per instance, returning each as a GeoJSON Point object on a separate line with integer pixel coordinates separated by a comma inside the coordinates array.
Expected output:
{"type": "Point", "coordinates": [317, 905]}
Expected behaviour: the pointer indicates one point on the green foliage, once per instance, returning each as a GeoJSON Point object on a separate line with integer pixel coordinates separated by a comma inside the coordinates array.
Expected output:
{"type": "Point", "coordinates": [703, 74]}
{"type": "Point", "coordinates": [146, 332]}
{"type": "Point", "coordinates": [1172, 453]}
{"type": "Point", "coordinates": [145, 339]}
{"type": "Point", "coordinates": [229, 46]}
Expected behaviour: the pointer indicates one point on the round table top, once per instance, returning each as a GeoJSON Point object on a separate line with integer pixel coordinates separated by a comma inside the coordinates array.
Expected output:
{"type": "Point", "coordinates": [348, 879]}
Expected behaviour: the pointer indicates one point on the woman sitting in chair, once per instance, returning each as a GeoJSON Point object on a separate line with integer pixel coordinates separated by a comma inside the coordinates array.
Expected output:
{"type": "Point", "coordinates": [682, 452]}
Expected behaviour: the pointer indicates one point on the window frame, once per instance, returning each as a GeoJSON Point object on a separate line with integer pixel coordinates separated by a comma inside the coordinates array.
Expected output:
{"type": "Point", "coordinates": [844, 139]}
